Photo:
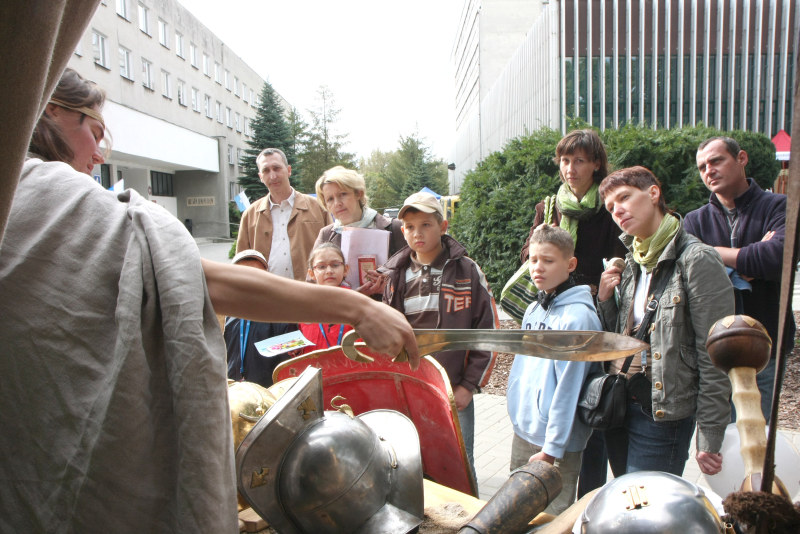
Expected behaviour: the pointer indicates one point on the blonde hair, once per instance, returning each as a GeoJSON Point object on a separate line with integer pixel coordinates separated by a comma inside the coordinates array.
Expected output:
{"type": "Point", "coordinates": [344, 178]}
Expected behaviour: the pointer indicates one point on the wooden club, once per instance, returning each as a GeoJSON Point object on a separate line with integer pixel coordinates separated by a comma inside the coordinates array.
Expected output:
{"type": "Point", "coordinates": [740, 346]}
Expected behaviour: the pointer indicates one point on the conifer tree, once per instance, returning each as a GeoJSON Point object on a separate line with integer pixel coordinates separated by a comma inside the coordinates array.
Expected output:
{"type": "Point", "coordinates": [324, 148]}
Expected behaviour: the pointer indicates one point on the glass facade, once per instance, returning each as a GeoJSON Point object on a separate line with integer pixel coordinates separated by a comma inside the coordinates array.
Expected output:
{"type": "Point", "coordinates": [725, 85]}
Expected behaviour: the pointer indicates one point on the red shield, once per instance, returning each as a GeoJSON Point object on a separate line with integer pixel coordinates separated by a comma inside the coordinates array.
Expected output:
{"type": "Point", "coordinates": [424, 396]}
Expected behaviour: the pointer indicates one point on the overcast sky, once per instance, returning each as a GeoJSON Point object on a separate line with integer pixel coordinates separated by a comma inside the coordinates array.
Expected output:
{"type": "Point", "coordinates": [387, 62]}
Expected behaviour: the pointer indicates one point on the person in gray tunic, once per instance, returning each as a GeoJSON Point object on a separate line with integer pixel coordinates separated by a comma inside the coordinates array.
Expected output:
{"type": "Point", "coordinates": [115, 410]}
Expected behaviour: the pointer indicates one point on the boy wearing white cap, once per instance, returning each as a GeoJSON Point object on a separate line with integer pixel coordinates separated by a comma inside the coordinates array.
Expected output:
{"type": "Point", "coordinates": [435, 285]}
{"type": "Point", "coordinates": [244, 361]}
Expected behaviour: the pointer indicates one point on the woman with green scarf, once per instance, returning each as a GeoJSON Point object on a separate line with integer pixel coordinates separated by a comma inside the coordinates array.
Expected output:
{"type": "Point", "coordinates": [577, 207]}
{"type": "Point", "coordinates": [683, 386]}
{"type": "Point", "coordinates": [582, 165]}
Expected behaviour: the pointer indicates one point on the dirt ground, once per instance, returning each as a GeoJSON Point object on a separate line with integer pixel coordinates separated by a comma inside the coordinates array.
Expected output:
{"type": "Point", "coordinates": [789, 414]}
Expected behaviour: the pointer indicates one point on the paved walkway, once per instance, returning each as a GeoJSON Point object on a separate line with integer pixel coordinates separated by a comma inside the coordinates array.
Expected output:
{"type": "Point", "coordinates": [493, 434]}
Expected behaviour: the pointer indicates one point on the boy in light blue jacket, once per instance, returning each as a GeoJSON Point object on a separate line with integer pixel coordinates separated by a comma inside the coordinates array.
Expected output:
{"type": "Point", "coordinates": [543, 394]}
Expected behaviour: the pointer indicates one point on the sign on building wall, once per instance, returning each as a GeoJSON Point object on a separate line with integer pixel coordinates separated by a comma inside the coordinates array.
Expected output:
{"type": "Point", "coordinates": [194, 202]}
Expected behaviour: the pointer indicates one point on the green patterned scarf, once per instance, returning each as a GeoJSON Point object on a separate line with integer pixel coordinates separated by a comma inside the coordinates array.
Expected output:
{"type": "Point", "coordinates": [647, 251]}
{"type": "Point", "coordinates": [573, 210]}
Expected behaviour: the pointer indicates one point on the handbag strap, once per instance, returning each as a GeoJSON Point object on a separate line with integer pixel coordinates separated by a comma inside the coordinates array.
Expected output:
{"type": "Point", "coordinates": [665, 269]}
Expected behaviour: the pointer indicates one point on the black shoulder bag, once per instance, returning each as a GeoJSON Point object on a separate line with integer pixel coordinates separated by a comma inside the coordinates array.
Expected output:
{"type": "Point", "coordinates": [604, 397]}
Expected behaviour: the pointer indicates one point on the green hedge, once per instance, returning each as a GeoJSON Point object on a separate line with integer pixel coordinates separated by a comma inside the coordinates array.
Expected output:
{"type": "Point", "coordinates": [499, 196]}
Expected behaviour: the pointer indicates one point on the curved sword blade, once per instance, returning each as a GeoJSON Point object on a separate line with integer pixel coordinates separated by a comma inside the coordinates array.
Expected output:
{"type": "Point", "coordinates": [566, 345]}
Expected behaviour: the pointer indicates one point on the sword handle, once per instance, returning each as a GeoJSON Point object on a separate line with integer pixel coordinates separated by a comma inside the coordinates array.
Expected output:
{"type": "Point", "coordinates": [351, 351]}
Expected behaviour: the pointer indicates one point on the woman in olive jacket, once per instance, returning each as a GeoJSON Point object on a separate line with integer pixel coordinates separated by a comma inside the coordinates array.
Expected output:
{"type": "Point", "coordinates": [685, 387]}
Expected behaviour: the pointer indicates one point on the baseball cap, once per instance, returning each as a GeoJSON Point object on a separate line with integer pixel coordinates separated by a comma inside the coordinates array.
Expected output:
{"type": "Point", "coordinates": [250, 253]}
{"type": "Point", "coordinates": [424, 202]}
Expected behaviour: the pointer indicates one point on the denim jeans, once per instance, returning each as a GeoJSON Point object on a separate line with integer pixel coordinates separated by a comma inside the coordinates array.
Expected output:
{"type": "Point", "coordinates": [594, 468]}
{"type": "Point", "coordinates": [466, 418]}
{"type": "Point", "coordinates": [649, 445]}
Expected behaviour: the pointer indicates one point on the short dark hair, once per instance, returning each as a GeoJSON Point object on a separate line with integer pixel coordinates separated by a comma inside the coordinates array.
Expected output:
{"type": "Point", "coordinates": [586, 141]}
{"type": "Point", "coordinates": [731, 145]}
{"type": "Point", "coordinates": [638, 177]}
{"type": "Point", "coordinates": [556, 236]}
{"type": "Point", "coordinates": [271, 151]}
{"type": "Point", "coordinates": [48, 140]}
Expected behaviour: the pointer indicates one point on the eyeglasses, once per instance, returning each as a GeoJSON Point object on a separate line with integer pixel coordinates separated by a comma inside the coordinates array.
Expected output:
{"type": "Point", "coordinates": [322, 267]}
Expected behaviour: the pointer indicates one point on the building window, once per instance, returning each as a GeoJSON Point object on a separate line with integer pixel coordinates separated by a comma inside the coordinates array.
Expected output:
{"type": "Point", "coordinates": [122, 9]}
{"type": "Point", "coordinates": [144, 19]}
{"type": "Point", "coordinates": [163, 33]}
{"type": "Point", "coordinates": [233, 189]}
{"type": "Point", "coordinates": [99, 46]}
{"type": "Point", "coordinates": [247, 127]}
{"type": "Point", "coordinates": [105, 175]}
{"type": "Point", "coordinates": [230, 155]}
{"type": "Point", "coordinates": [196, 99]}
{"type": "Point", "coordinates": [166, 84]}
{"type": "Point", "coordinates": [228, 118]}
{"type": "Point", "coordinates": [181, 92]}
{"type": "Point", "coordinates": [147, 74]}
{"type": "Point", "coordinates": [208, 106]}
{"type": "Point", "coordinates": [161, 184]}
{"type": "Point", "coordinates": [125, 69]}
{"type": "Point", "coordinates": [240, 155]}
{"type": "Point", "coordinates": [219, 111]}
{"type": "Point", "coordinates": [179, 44]}
{"type": "Point", "coordinates": [206, 65]}
{"type": "Point", "coordinates": [236, 86]}
{"type": "Point", "coordinates": [238, 121]}
{"type": "Point", "coordinates": [217, 73]}
{"type": "Point", "coordinates": [193, 54]}
{"type": "Point", "coordinates": [227, 80]}
{"type": "Point", "coordinates": [244, 92]}
{"type": "Point", "coordinates": [251, 96]}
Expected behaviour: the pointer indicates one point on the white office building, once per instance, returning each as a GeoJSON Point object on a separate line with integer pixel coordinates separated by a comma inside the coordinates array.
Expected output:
{"type": "Point", "coordinates": [178, 110]}
{"type": "Point", "coordinates": [665, 63]}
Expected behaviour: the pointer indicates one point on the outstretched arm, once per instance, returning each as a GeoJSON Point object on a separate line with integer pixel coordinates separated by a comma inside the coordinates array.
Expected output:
{"type": "Point", "coordinates": [245, 292]}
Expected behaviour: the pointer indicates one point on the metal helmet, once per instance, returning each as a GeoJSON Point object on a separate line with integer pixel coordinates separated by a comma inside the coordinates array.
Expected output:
{"type": "Point", "coordinates": [248, 402]}
{"type": "Point", "coordinates": [650, 501]}
{"type": "Point", "coordinates": [308, 471]}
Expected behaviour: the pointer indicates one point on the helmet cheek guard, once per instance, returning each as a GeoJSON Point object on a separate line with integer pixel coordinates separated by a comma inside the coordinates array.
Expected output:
{"type": "Point", "coordinates": [305, 470]}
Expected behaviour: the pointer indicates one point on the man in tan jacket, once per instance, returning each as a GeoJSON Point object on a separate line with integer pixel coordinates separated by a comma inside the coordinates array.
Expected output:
{"type": "Point", "coordinates": [284, 224]}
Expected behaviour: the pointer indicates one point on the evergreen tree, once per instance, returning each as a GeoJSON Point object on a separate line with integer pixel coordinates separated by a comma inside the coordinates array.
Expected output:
{"type": "Point", "coordinates": [270, 129]}
{"type": "Point", "coordinates": [324, 147]}
{"type": "Point", "coordinates": [373, 168]}
{"type": "Point", "coordinates": [406, 171]}
{"type": "Point", "coordinates": [298, 129]}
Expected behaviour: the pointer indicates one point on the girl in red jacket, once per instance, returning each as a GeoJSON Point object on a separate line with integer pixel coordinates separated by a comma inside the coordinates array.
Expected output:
{"type": "Point", "coordinates": [326, 266]}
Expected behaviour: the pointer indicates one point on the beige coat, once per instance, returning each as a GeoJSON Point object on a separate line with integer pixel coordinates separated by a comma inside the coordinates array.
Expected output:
{"type": "Point", "coordinates": [305, 222]}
